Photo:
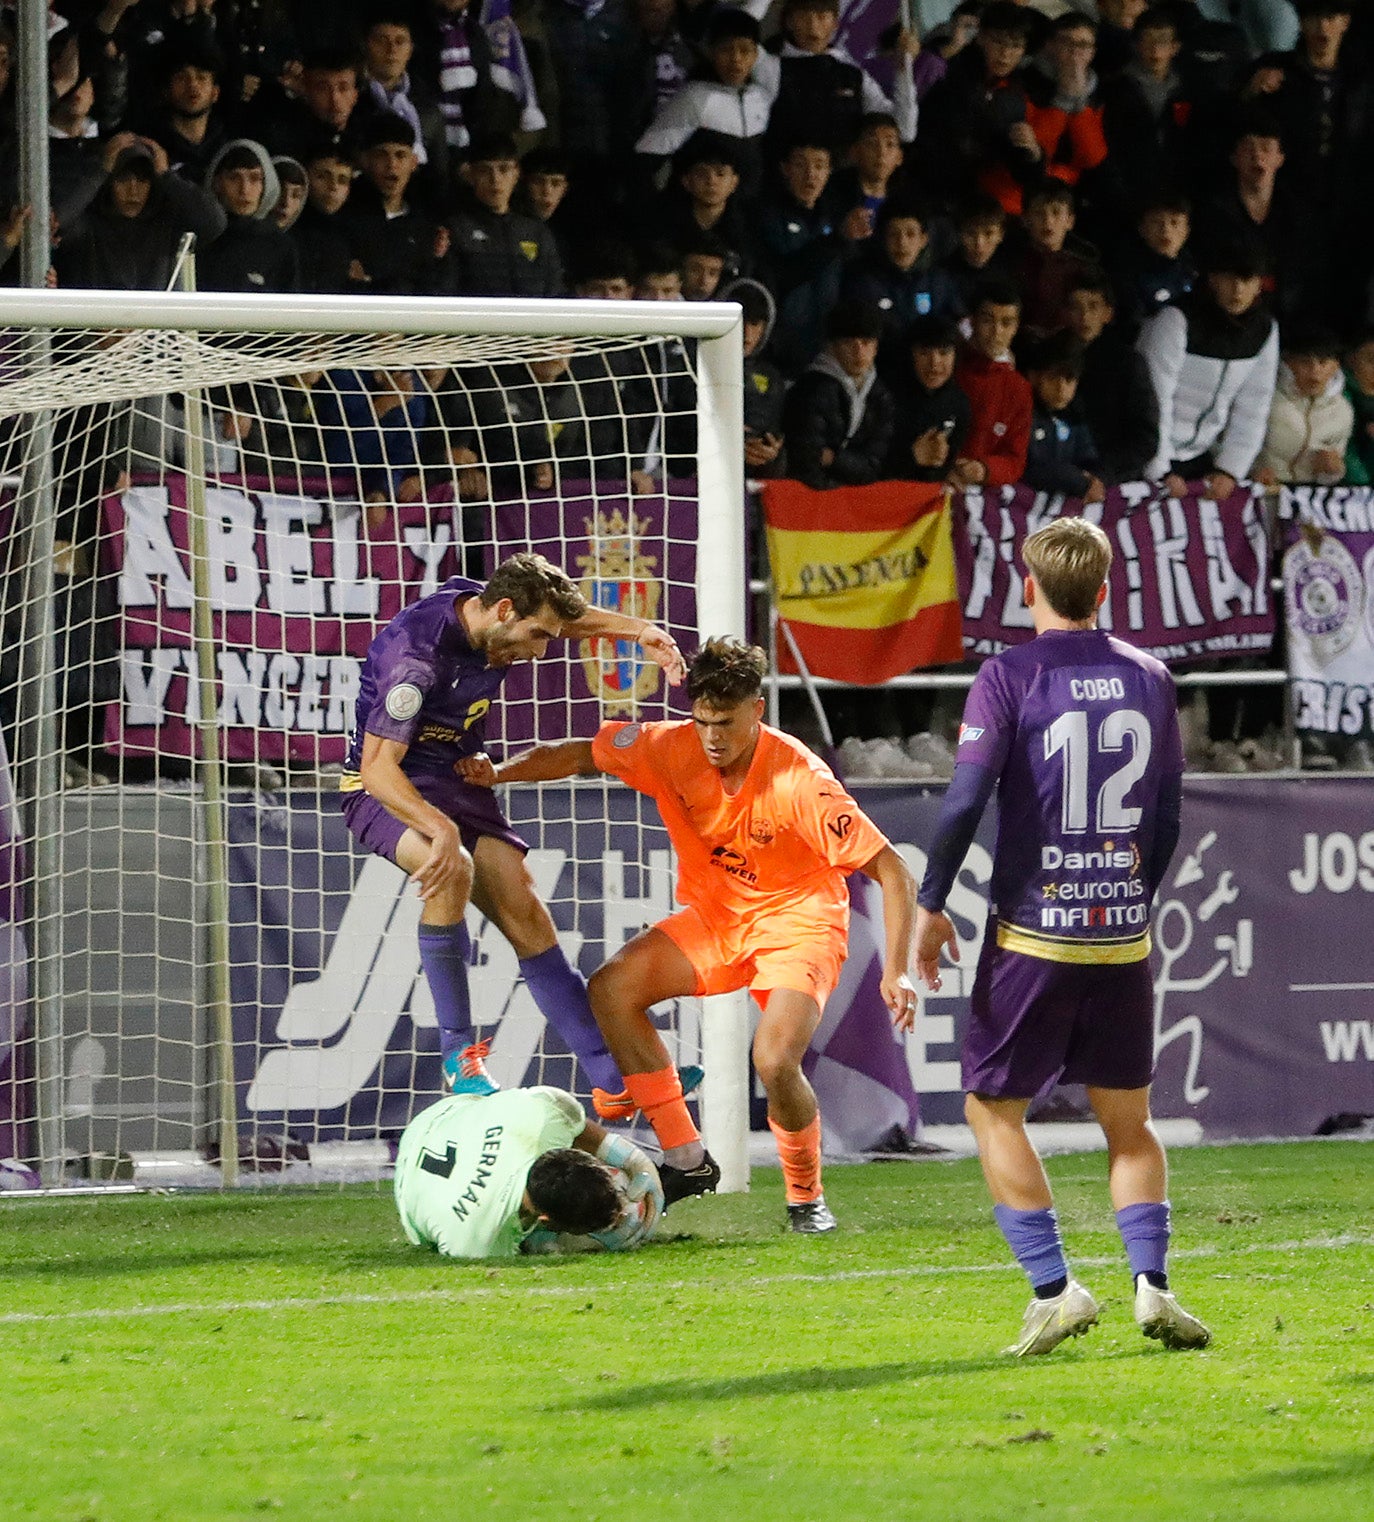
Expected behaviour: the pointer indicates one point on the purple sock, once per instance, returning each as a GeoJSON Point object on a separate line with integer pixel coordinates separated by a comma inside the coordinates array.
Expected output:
{"type": "Point", "coordinates": [1145, 1231]}
{"type": "Point", "coordinates": [444, 954]}
{"type": "Point", "coordinates": [560, 991]}
{"type": "Point", "coordinates": [1033, 1235]}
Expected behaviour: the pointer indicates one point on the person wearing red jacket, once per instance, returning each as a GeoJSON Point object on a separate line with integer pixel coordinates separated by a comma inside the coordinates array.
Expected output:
{"type": "Point", "coordinates": [994, 453]}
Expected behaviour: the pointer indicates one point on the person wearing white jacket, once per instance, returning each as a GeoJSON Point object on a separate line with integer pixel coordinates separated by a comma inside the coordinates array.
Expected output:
{"type": "Point", "coordinates": [1311, 420]}
{"type": "Point", "coordinates": [1213, 360]}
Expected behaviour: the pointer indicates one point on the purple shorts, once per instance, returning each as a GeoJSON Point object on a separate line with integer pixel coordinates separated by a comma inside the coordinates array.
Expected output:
{"type": "Point", "coordinates": [1034, 1022]}
{"type": "Point", "coordinates": [473, 809]}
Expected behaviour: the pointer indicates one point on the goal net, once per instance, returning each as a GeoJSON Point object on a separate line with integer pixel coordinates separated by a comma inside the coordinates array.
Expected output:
{"type": "Point", "coordinates": [210, 506]}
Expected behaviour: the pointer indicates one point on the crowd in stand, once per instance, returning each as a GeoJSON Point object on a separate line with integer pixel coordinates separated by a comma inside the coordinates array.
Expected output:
{"type": "Point", "coordinates": [1060, 243]}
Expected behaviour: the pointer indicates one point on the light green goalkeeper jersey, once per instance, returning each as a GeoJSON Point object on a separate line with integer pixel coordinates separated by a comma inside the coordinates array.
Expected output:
{"type": "Point", "coordinates": [462, 1164]}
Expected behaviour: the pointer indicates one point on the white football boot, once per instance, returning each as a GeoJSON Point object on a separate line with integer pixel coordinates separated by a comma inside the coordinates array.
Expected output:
{"type": "Point", "coordinates": [1048, 1322]}
{"type": "Point", "coordinates": [1159, 1315]}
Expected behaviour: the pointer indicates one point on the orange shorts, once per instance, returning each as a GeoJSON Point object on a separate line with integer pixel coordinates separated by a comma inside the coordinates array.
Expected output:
{"type": "Point", "coordinates": [806, 957]}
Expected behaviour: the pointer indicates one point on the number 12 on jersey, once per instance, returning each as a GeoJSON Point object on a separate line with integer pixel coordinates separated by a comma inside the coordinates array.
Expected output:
{"type": "Point", "coordinates": [1071, 733]}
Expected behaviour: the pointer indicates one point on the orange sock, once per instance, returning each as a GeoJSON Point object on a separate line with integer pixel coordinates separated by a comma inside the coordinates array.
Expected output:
{"type": "Point", "coordinates": [800, 1154]}
{"type": "Point", "coordinates": [659, 1096]}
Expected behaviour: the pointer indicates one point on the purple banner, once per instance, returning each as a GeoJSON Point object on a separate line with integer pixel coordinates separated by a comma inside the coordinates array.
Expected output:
{"type": "Point", "coordinates": [1189, 578]}
{"type": "Point", "coordinates": [1328, 584]}
{"type": "Point", "coordinates": [299, 587]}
{"type": "Point", "coordinates": [1264, 1003]}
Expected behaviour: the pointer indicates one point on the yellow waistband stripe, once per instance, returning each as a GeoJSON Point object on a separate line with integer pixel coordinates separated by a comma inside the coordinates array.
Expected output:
{"type": "Point", "coordinates": [350, 782]}
{"type": "Point", "coordinates": [1084, 953]}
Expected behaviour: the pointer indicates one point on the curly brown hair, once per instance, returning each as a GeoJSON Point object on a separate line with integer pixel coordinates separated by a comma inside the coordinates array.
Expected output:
{"type": "Point", "coordinates": [725, 672]}
{"type": "Point", "coordinates": [531, 583]}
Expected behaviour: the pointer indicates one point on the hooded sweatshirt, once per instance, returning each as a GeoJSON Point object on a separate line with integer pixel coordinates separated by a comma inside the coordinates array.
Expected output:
{"type": "Point", "coordinates": [1300, 426]}
{"type": "Point", "coordinates": [251, 254]}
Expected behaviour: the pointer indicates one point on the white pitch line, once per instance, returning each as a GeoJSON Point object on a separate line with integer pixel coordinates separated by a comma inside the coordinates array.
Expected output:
{"type": "Point", "coordinates": [673, 1286]}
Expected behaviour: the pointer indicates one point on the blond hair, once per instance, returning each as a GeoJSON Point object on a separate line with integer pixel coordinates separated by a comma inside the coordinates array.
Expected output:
{"type": "Point", "coordinates": [1069, 560]}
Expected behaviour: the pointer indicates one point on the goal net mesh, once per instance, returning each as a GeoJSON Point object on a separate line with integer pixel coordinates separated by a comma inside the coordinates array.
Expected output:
{"type": "Point", "coordinates": [344, 476]}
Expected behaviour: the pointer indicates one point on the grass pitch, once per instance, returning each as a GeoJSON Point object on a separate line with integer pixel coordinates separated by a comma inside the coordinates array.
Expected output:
{"type": "Point", "coordinates": [215, 1358]}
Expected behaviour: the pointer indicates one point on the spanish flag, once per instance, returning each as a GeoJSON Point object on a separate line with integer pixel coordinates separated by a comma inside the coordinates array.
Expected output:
{"type": "Point", "coordinates": [864, 577]}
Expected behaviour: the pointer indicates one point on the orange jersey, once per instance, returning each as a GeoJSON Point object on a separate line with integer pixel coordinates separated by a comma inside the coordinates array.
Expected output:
{"type": "Point", "coordinates": [784, 842]}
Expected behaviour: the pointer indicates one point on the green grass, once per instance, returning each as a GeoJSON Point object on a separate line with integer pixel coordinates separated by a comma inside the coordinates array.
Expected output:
{"type": "Point", "coordinates": [303, 1361]}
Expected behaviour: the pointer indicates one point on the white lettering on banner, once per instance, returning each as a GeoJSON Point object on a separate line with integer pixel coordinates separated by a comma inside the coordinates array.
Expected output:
{"type": "Point", "coordinates": [310, 693]}
{"type": "Point", "coordinates": [1347, 1040]}
{"type": "Point", "coordinates": [1015, 613]}
{"type": "Point", "coordinates": [149, 554]}
{"type": "Point", "coordinates": [1346, 509]}
{"type": "Point", "coordinates": [984, 554]}
{"type": "Point", "coordinates": [1135, 577]}
{"type": "Point", "coordinates": [1224, 586]}
{"type": "Point", "coordinates": [1252, 520]}
{"type": "Point", "coordinates": [292, 586]}
{"type": "Point", "coordinates": [349, 596]}
{"type": "Point", "coordinates": [1334, 862]}
{"type": "Point", "coordinates": [235, 577]}
{"type": "Point", "coordinates": [1177, 599]}
{"type": "Point", "coordinates": [1332, 708]}
{"type": "Point", "coordinates": [429, 552]}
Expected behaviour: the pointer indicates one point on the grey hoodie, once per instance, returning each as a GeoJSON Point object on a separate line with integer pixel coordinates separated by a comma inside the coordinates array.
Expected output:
{"type": "Point", "coordinates": [271, 185]}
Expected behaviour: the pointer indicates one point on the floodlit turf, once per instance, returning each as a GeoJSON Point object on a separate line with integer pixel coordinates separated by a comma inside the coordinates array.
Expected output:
{"type": "Point", "coordinates": [203, 1357]}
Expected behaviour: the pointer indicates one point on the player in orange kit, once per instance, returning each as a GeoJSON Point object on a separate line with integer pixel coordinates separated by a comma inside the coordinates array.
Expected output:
{"type": "Point", "coordinates": [765, 836]}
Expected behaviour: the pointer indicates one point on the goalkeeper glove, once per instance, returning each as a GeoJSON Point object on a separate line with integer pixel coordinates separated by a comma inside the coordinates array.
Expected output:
{"type": "Point", "coordinates": [642, 1191]}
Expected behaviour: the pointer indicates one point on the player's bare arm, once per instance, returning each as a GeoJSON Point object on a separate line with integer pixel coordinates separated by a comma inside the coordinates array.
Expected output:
{"type": "Point", "coordinates": [898, 886]}
{"type": "Point", "coordinates": [656, 643]}
{"type": "Point", "coordinates": [382, 777]}
{"type": "Point", "coordinates": [541, 763]}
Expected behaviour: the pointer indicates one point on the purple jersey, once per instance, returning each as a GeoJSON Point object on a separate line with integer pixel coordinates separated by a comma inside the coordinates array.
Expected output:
{"type": "Point", "coordinates": [423, 684]}
{"type": "Point", "coordinates": [1081, 731]}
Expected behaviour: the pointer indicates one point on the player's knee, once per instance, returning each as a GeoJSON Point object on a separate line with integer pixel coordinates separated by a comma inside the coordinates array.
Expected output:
{"type": "Point", "coordinates": [607, 989]}
{"type": "Point", "coordinates": [775, 1062]}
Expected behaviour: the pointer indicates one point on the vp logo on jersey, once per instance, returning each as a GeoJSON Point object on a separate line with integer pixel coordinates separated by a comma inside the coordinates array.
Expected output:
{"type": "Point", "coordinates": [970, 733]}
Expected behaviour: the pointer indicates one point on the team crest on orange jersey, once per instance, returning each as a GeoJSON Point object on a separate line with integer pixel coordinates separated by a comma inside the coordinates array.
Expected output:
{"type": "Point", "coordinates": [761, 831]}
{"type": "Point", "coordinates": [616, 574]}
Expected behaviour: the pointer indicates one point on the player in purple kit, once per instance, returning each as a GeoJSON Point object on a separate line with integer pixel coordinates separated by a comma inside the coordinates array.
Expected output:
{"type": "Point", "coordinates": [428, 681]}
{"type": "Point", "coordinates": [1078, 732]}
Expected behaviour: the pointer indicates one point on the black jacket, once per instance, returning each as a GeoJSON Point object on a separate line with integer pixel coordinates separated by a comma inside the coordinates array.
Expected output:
{"type": "Point", "coordinates": [323, 252]}
{"type": "Point", "coordinates": [107, 251]}
{"type": "Point", "coordinates": [511, 255]}
{"type": "Point", "coordinates": [1118, 401]}
{"type": "Point", "coordinates": [818, 417]}
{"type": "Point", "coordinates": [918, 411]}
{"type": "Point", "coordinates": [249, 255]}
{"type": "Point", "coordinates": [396, 252]}
{"type": "Point", "coordinates": [1061, 455]}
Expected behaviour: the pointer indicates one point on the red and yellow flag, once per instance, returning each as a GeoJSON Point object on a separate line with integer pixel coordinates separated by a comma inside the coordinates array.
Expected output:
{"type": "Point", "coordinates": [864, 577]}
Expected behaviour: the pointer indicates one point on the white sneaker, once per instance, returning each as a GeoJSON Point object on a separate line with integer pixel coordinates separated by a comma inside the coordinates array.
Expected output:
{"type": "Point", "coordinates": [1158, 1314]}
{"type": "Point", "coordinates": [1048, 1322]}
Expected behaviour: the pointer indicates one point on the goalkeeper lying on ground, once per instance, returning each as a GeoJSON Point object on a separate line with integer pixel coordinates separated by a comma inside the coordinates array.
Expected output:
{"type": "Point", "coordinates": [521, 1170]}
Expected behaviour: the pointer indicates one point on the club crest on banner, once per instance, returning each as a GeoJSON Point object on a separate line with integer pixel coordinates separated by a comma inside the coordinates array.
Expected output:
{"type": "Point", "coordinates": [618, 576]}
{"type": "Point", "coordinates": [1325, 590]}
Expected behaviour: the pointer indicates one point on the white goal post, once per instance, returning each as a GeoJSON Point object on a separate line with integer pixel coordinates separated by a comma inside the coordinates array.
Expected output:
{"type": "Point", "coordinates": [141, 447]}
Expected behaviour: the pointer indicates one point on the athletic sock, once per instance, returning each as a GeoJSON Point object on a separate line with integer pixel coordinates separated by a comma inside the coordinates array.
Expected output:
{"type": "Point", "coordinates": [659, 1097]}
{"type": "Point", "coordinates": [1033, 1235]}
{"type": "Point", "coordinates": [444, 954]}
{"type": "Point", "coordinates": [800, 1155]}
{"type": "Point", "coordinates": [560, 991]}
{"type": "Point", "coordinates": [1145, 1231]}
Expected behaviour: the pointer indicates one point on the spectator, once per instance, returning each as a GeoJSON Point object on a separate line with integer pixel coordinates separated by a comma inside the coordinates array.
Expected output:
{"type": "Point", "coordinates": [599, 79]}
{"type": "Point", "coordinates": [127, 240]}
{"type": "Point", "coordinates": [999, 398]}
{"type": "Point", "coordinates": [320, 234]}
{"type": "Point", "coordinates": [663, 57]}
{"type": "Point", "coordinates": [976, 132]}
{"type": "Point", "coordinates": [1115, 34]}
{"type": "Point", "coordinates": [388, 47]}
{"type": "Point", "coordinates": [478, 94]}
{"type": "Point", "coordinates": [501, 252]}
{"type": "Point", "coordinates": [75, 156]}
{"type": "Point", "coordinates": [801, 252]}
{"type": "Point", "coordinates": [188, 125]}
{"type": "Point", "coordinates": [705, 199]}
{"type": "Point", "coordinates": [1051, 258]}
{"type": "Point", "coordinates": [1114, 391]}
{"type": "Point", "coordinates": [980, 227]}
{"type": "Point", "coordinates": [896, 274]}
{"type": "Point", "coordinates": [251, 254]}
{"type": "Point", "coordinates": [660, 274]}
{"type": "Point", "coordinates": [1359, 392]}
{"type": "Point", "coordinates": [933, 414]}
{"type": "Point", "coordinates": [325, 113]}
{"type": "Point", "coordinates": [765, 390]}
{"type": "Point", "coordinates": [544, 182]}
{"type": "Point", "coordinates": [1155, 269]}
{"type": "Point", "coordinates": [1063, 109]}
{"type": "Point", "coordinates": [402, 250]}
{"type": "Point", "coordinates": [861, 187]}
{"type": "Point", "coordinates": [532, 435]}
{"type": "Point", "coordinates": [732, 95]}
{"type": "Point", "coordinates": [291, 178]}
{"type": "Point", "coordinates": [822, 93]}
{"type": "Point", "coordinates": [1145, 108]}
{"type": "Point", "coordinates": [1061, 457]}
{"type": "Point", "coordinates": [839, 415]}
{"type": "Point", "coordinates": [1258, 202]}
{"type": "Point", "coordinates": [1310, 421]}
{"type": "Point", "coordinates": [1213, 362]}
{"type": "Point", "coordinates": [704, 258]}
